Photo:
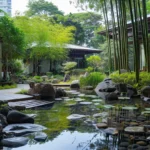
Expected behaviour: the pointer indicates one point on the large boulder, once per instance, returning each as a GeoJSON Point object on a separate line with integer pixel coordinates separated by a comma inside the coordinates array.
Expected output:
{"type": "Point", "coordinates": [60, 93]}
{"type": "Point", "coordinates": [32, 91]}
{"type": "Point", "coordinates": [15, 116]}
{"type": "Point", "coordinates": [146, 91]}
{"type": "Point", "coordinates": [47, 92]}
{"type": "Point", "coordinates": [121, 87]}
{"type": "Point", "coordinates": [112, 96]}
{"type": "Point", "coordinates": [75, 84]}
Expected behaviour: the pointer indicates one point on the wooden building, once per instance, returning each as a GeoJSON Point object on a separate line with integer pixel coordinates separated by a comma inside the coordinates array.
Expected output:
{"type": "Point", "coordinates": [75, 53]}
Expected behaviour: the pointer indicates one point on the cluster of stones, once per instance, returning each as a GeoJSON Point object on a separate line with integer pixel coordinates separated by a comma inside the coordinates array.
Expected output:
{"type": "Point", "coordinates": [14, 123]}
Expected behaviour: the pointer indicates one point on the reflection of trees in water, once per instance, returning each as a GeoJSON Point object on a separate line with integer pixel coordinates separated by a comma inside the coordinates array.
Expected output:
{"type": "Point", "coordinates": [55, 119]}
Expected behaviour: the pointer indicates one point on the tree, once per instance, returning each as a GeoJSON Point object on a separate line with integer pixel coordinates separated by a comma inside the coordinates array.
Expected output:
{"type": "Point", "coordinates": [12, 42]}
{"type": "Point", "coordinates": [42, 7]}
{"type": "Point", "coordinates": [44, 39]}
{"type": "Point", "coordinates": [117, 10]}
{"type": "Point", "coordinates": [94, 61]}
{"type": "Point", "coordinates": [90, 22]}
{"type": "Point", "coordinates": [78, 32]}
{"type": "Point", "coordinates": [68, 66]}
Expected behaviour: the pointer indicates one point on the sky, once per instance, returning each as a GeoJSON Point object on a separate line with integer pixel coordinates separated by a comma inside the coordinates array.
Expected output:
{"type": "Point", "coordinates": [64, 5]}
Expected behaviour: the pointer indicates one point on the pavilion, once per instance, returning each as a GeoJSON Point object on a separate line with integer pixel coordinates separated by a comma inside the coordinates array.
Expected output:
{"type": "Point", "coordinates": [76, 53]}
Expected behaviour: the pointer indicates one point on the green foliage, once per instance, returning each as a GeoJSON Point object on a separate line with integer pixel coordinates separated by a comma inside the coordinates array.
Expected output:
{"type": "Point", "coordinates": [12, 42]}
{"type": "Point", "coordinates": [15, 66]}
{"type": "Point", "coordinates": [92, 79]}
{"type": "Point", "coordinates": [42, 7]}
{"type": "Point", "coordinates": [89, 21]}
{"type": "Point", "coordinates": [37, 79]}
{"type": "Point", "coordinates": [68, 66]}
{"type": "Point", "coordinates": [22, 91]}
{"type": "Point", "coordinates": [89, 69]}
{"type": "Point", "coordinates": [130, 78]}
{"type": "Point", "coordinates": [8, 86]}
{"type": "Point", "coordinates": [44, 39]}
{"type": "Point", "coordinates": [59, 77]}
{"type": "Point", "coordinates": [13, 39]}
{"type": "Point", "coordinates": [49, 74]}
{"type": "Point", "coordinates": [94, 61]}
{"type": "Point", "coordinates": [78, 71]}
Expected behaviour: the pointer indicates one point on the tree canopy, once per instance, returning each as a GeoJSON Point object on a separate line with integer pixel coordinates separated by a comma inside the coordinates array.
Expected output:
{"type": "Point", "coordinates": [12, 42]}
{"type": "Point", "coordinates": [43, 37]}
{"type": "Point", "coordinates": [42, 7]}
{"type": "Point", "coordinates": [90, 22]}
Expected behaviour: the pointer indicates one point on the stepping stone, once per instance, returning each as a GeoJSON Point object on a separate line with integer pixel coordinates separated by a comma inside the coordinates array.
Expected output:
{"type": "Point", "coordinates": [97, 100]}
{"type": "Point", "coordinates": [81, 95]}
{"type": "Point", "coordinates": [108, 106]}
{"type": "Point", "coordinates": [85, 103]}
{"type": "Point", "coordinates": [76, 117]}
{"type": "Point", "coordinates": [141, 143]}
{"type": "Point", "coordinates": [111, 131]}
{"type": "Point", "coordinates": [40, 136]}
{"type": "Point", "coordinates": [58, 99]}
{"type": "Point", "coordinates": [15, 142]}
{"type": "Point", "coordinates": [103, 114]}
{"type": "Point", "coordinates": [101, 125]}
{"type": "Point", "coordinates": [23, 128]}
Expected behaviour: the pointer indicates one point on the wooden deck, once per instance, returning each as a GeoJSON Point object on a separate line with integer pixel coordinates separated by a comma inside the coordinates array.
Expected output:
{"type": "Point", "coordinates": [14, 97]}
{"type": "Point", "coordinates": [30, 103]}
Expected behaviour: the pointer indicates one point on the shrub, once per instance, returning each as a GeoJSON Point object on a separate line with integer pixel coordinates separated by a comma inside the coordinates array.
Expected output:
{"type": "Point", "coordinates": [37, 79]}
{"type": "Point", "coordinates": [78, 71]}
{"type": "Point", "coordinates": [8, 86]}
{"type": "Point", "coordinates": [92, 79]}
{"type": "Point", "coordinates": [49, 74]}
{"type": "Point", "coordinates": [129, 78]}
{"type": "Point", "coordinates": [22, 91]}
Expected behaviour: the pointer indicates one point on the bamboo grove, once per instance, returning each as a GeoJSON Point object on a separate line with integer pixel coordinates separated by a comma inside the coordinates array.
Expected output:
{"type": "Point", "coordinates": [118, 15]}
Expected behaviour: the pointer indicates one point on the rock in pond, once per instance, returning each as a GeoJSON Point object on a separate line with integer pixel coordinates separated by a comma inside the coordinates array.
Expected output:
{"type": "Point", "coordinates": [101, 125]}
{"type": "Point", "coordinates": [76, 117]}
{"type": "Point", "coordinates": [85, 103]}
{"type": "Point", "coordinates": [18, 117]}
{"type": "Point", "coordinates": [21, 129]}
{"type": "Point", "coordinates": [15, 142]}
{"type": "Point", "coordinates": [40, 136]}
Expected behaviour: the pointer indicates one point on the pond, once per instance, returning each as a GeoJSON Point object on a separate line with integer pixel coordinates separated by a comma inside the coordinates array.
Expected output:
{"type": "Point", "coordinates": [65, 134]}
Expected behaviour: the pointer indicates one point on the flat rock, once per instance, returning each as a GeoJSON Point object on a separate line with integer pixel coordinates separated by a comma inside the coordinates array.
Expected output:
{"type": "Point", "coordinates": [58, 99]}
{"type": "Point", "coordinates": [111, 131]}
{"type": "Point", "coordinates": [24, 128]}
{"type": "Point", "coordinates": [15, 142]}
{"type": "Point", "coordinates": [76, 117]}
{"type": "Point", "coordinates": [97, 100]}
{"type": "Point", "coordinates": [103, 114]}
{"type": "Point", "coordinates": [32, 115]}
{"type": "Point", "coordinates": [101, 125]}
{"type": "Point", "coordinates": [85, 103]}
{"type": "Point", "coordinates": [40, 136]}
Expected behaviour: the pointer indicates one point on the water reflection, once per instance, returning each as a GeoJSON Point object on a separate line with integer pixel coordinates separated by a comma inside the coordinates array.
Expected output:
{"type": "Point", "coordinates": [68, 140]}
{"type": "Point", "coordinates": [66, 135]}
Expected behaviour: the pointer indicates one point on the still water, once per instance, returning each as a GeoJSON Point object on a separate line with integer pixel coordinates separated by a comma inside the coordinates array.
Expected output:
{"type": "Point", "coordinates": [64, 134]}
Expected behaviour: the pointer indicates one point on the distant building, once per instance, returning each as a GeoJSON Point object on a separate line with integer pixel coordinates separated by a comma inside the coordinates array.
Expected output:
{"type": "Point", "coordinates": [5, 5]}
